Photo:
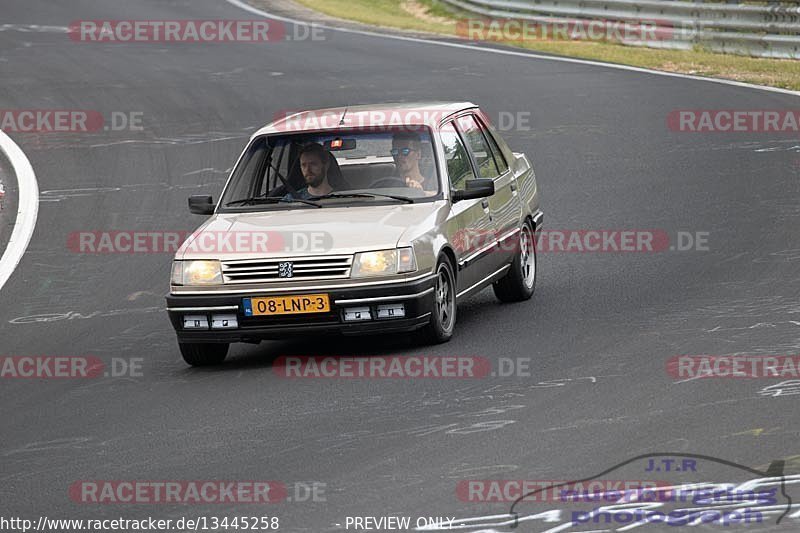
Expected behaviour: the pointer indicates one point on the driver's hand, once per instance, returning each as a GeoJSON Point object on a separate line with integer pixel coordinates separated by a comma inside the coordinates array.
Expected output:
{"type": "Point", "coordinates": [414, 184]}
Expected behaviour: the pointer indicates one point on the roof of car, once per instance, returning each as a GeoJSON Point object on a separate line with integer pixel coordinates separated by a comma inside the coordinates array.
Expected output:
{"type": "Point", "coordinates": [388, 114]}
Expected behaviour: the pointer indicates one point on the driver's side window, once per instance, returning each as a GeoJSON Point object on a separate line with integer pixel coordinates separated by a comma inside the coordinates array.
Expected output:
{"type": "Point", "coordinates": [459, 167]}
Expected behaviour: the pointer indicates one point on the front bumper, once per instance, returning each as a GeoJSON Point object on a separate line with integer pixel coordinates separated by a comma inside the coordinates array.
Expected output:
{"type": "Point", "coordinates": [416, 296]}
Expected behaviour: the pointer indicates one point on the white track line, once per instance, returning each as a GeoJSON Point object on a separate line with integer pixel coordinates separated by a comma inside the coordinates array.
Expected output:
{"type": "Point", "coordinates": [27, 207]}
{"type": "Point", "coordinates": [256, 11]}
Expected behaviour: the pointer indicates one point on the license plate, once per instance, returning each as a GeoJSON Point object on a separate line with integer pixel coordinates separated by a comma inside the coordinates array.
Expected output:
{"type": "Point", "coordinates": [287, 305]}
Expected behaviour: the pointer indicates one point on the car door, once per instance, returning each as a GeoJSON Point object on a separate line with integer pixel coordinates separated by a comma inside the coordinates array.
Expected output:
{"type": "Point", "coordinates": [504, 204]}
{"type": "Point", "coordinates": [469, 226]}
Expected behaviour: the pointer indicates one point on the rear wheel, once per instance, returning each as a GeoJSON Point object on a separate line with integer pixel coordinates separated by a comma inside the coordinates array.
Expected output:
{"type": "Point", "coordinates": [520, 281]}
{"type": "Point", "coordinates": [201, 354]}
{"type": "Point", "coordinates": [443, 316]}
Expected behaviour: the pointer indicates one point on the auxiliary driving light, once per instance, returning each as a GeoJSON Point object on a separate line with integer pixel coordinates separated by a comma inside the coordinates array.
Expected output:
{"type": "Point", "coordinates": [354, 314]}
{"type": "Point", "coordinates": [224, 322]}
{"type": "Point", "coordinates": [195, 322]}
{"type": "Point", "coordinates": [396, 310]}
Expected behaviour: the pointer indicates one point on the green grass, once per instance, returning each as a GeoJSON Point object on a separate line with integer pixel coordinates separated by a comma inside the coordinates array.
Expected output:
{"type": "Point", "coordinates": [434, 16]}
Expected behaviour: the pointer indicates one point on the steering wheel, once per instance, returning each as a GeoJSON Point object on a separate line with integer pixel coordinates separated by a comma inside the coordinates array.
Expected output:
{"type": "Point", "coordinates": [388, 181]}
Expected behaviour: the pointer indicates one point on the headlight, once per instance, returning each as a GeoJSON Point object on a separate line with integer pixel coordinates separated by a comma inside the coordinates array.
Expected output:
{"type": "Point", "coordinates": [384, 262]}
{"type": "Point", "coordinates": [196, 273]}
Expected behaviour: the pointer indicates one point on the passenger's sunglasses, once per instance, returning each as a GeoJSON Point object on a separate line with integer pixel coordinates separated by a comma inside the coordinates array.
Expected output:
{"type": "Point", "coordinates": [404, 151]}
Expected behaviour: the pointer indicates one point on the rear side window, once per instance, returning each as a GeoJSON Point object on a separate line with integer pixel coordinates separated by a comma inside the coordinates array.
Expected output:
{"type": "Point", "coordinates": [459, 168]}
{"type": "Point", "coordinates": [497, 142]}
{"type": "Point", "coordinates": [480, 148]}
{"type": "Point", "coordinates": [502, 166]}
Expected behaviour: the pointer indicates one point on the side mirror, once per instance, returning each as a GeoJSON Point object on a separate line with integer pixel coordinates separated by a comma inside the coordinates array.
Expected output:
{"type": "Point", "coordinates": [201, 204]}
{"type": "Point", "coordinates": [479, 188]}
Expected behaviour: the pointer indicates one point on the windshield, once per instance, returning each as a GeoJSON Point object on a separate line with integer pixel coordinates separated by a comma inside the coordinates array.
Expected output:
{"type": "Point", "coordinates": [301, 171]}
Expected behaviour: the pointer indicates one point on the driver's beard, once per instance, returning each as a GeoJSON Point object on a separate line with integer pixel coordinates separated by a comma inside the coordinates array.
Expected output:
{"type": "Point", "coordinates": [315, 181]}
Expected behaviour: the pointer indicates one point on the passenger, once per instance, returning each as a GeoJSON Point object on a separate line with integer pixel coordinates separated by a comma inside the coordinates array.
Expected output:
{"type": "Point", "coordinates": [314, 164]}
{"type": "Point", "coordinates": [407, 152]}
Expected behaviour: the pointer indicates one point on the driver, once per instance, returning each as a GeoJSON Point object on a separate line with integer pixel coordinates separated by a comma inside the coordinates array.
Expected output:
{"type": "Point", "coordinates": [314, 164]}
{"type": "Point", "coordinates": [407, 152]}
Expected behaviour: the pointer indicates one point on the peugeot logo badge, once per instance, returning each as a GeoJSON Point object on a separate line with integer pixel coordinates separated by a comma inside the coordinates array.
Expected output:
{"type": "Point", "coordinates": [285, 269]}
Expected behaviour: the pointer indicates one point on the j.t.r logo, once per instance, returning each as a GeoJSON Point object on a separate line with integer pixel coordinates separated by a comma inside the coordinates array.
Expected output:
{"type": "Point", "coordinates": [285, 269]}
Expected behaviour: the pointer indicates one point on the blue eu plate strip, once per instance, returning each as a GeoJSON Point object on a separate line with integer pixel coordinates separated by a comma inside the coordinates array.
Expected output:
{"type": "Point", "coordinates": [248, 306]}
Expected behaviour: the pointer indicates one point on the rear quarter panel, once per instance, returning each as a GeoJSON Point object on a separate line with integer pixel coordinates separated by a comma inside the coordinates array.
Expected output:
{"type": "Point", "coordinates": [522, 168]}
{"type": "Point", "coordinates": [526, 184]}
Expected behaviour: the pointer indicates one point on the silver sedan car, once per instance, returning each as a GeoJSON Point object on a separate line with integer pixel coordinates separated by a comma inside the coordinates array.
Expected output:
{"type": "Point", "coordinates": [356, 220]}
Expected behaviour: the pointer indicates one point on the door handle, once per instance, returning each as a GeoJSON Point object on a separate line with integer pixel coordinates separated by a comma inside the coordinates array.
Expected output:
{"type": "Point", "coordinates": [485, 204]}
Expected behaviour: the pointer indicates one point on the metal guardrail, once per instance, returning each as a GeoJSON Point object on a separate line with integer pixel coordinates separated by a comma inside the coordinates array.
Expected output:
{"type": "Point", "coordinates": [766, 30]}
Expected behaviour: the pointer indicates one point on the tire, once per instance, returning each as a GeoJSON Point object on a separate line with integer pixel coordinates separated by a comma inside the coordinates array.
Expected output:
{"type": "Point", "coordinates": [443, 316]}
{"type": "Point", "coordinates": [199, 354]}
{"type": "Point", "coordinates": [519, 283]}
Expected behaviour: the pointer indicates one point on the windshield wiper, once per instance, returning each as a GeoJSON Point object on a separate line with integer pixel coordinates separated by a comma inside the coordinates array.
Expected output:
{"type": "Point", "coordinates": [270, 200]}
{"type": "Point", "coordinates": [366, 195]}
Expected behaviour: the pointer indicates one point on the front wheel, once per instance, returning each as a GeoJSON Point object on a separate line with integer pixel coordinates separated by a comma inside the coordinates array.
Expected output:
{"type": "Point", "coordinates": [520, 281]}
{"type": "Point", "coordinates": [443, 316]}
{"type": "Point", "coordinates": [201, 354]}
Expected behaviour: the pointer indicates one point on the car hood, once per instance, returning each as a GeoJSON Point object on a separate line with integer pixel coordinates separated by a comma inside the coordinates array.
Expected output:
{"type": "Point", "coordinates": [306, 232]}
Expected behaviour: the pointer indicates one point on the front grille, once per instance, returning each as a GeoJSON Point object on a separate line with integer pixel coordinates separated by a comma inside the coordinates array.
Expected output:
{"type": "Point", "coordinates": [301, 268]}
